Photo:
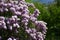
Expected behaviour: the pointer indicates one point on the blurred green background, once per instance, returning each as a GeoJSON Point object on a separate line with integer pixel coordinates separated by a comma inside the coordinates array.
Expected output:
{"type": "Point", "coordinates": [50, 13]}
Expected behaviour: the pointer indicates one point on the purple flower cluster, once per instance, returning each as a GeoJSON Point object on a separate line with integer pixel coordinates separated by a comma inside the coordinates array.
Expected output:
{"type": "Point", "coordinates": [35, 34]}
{"type": "Point", "coordinates": [21, 16]}
{"type": "Point", "coordinates": [12, 38]}
{"type": "Point", "coordinates": [9, 23]}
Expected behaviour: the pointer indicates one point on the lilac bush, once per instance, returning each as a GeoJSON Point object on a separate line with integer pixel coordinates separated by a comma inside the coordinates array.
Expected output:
{"type": "Point", "coordinates": [21, 17]}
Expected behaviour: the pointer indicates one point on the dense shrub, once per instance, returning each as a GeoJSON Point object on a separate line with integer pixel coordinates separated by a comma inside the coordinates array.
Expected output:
{"type": "Point", "coordinates": [18, 23]}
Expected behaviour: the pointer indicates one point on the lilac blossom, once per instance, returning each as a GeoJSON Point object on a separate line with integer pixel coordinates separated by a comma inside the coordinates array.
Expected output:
{"type": "Point", "coordinates": [2, 22]}
{"type": "Point", "coordinates": [0, 38]}
{"type": "Point", "coordinates": [11, 38]}
{"type": "Point", "coordinates": [35, 34]}
{"type": "Point", "coordinates": [21, 17]}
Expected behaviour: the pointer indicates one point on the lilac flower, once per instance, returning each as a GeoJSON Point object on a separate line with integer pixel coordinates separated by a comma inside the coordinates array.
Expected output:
{"type": "Point", "coordinates": [0, 38]}
{"type": "Point", "coordinates": [9, 39]}
{"type": "Point", "coordinates": [16, 25]}
{"type": "Point", "coordinates": [9, 4]}
{"type": "Point", "coordinates": [10, 28]}
{"type": "Point", "coordinates": [21, 17]}
{"type": "Point", "coordinates": [1, 10]}
{"type": "Point", "coordinates": [33, 19]}
{"type": "Point", "coordinates": [25, 21]}
{"type": "Point", "coordinates": [5, 5]}
{"type": "Point", "coordinates": [13, 22]}
{"type": "Point", "coordinates": [36, 13]}
{"type": "Point", "coordinates": [16, 31]}
{"type": "Point", "coordinates": [1, 4]}
{"type": "Point", "coordinates": [34, 34]}
{"type": "Point", "coordinates": [28, 30]}
{"type": "Point", "coordinates": [12, 9]}
{"type": "Point", "coordinates": [18, 8]}
{"type": "Point", "coordinates": [25, 15]}
{"type": "Point", "coordinates": [2, 18]}
{"type": "Point", "coordinates": [31, 4]}
{"type": "Point", "coordinates": [17, 13]}
{"type": "Point", "coordinates": [14, 39]}
{"type": "Point", "coordinates": [6, 9]}
{"type": "Point", "coordinates": [25, 7]}
{"type": "Point", "coordinates": [2, 23]}
{"type": "Point", "coordinates": [16, 2]}
{"type": "Point", "coordinates": [41, 25]}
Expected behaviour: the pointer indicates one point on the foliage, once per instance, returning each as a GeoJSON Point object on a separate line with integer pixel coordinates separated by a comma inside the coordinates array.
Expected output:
{"type": "Point", "coordinates": [57, 2]}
